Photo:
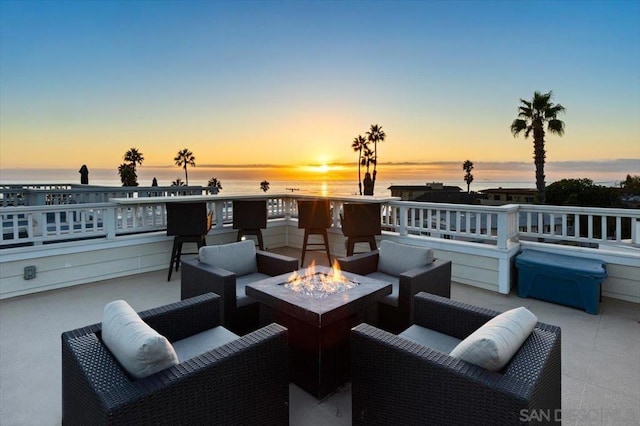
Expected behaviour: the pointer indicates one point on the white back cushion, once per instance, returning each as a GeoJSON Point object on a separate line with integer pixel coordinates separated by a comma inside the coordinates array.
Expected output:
{"type": "Point", "coordinates": [239, 258]}
{"type": "Point", "coordinates": [398, 258]}
{"type": "Point", "coordinates": [138, 348]}
{"type": "Point", "coordinates": [492, 345]}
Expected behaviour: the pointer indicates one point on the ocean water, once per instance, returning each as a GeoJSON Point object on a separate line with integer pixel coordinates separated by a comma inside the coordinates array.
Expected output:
{"type": "Point", "coordinates": [247, 181]}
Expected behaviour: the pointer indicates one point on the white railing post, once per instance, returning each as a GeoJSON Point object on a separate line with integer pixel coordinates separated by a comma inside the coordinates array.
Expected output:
{"type": "Point", "coordinates": [110, 221]}
{"type": "Point", "coordinates": [403, 212]}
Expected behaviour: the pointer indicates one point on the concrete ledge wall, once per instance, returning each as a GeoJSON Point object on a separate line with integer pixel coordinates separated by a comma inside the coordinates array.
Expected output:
{"type": "Point", "coordinates": [484, 266]}
{"type": "Point", "coordinates": [81, 262]}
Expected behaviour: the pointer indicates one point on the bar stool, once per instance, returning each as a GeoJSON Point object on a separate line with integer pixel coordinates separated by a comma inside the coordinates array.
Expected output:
{"type": "Point", "coordinates": [360, 224]}
{"type": "Point", "coordinates": [249, 218]}
{"type": "Point", "coordinates": [314, 216]}
{"type": "Point", "coordinates": [188, 223]}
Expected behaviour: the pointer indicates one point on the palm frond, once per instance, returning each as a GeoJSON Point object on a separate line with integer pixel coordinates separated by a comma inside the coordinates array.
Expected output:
{"type": "Point", "coordinates": [518, 126]}
{"type": "Point", "coordinates": [556, 126]}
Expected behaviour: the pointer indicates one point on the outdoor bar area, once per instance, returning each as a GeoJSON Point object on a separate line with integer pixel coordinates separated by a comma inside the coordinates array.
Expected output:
{"type": "Point", "coordinates": [337, 339]}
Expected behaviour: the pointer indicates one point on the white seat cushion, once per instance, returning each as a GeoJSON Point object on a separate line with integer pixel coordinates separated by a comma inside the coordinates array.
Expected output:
{"type": "Point", "coordinates": [239, 258]}
{"type": "Point", "coordinates": [241, 282]}
{"type": "Point", "coordinates": [430, 338]}
{"type": "Point", "coordinates": [389, 299]}
{"type": "Point", "coordinates": [200, 343]}
{"type": "Point", "coordinates": [140, 349]}
{"type": "Point", "coordinates": [395, 258]}
{"type": "Point", "coordinates": [492, 345]}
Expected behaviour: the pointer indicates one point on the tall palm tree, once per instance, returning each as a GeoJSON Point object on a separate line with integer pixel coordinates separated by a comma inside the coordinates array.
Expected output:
{"type": "Point", "coordinates": [185, 158]}
{"type": "Point", "coordinates": [375, 135]}
{"type": "Point", "coordinates": [467, 166]}
{"type": "Point", "coordinates": [532, 117]}
{"type": "Point", "coordinates": [358, 144]}
{"type": "Point", "coordinates": [134, 157]}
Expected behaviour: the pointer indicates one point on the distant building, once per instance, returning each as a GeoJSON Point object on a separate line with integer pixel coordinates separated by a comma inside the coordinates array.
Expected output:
{"type": "Point", "coordinates": [501, 196]}
{"type": "Point", "coordinates": [435, 192]}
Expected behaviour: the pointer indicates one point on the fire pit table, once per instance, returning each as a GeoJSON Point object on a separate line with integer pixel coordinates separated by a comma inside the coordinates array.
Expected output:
{"type": "Point", "coordinates": [319, 320]}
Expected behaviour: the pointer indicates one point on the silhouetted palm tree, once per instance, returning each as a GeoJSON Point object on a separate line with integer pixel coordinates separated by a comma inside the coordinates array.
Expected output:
{"type": "Point", "coordinates": [185, 158]}
{"type": "Point", "coordinates": [375, 135]}
{"type": "Point", "coordinates": [467, 166]}
{"type": "Point", "coordinates": [128, 175]}
{"type": "Point", "coordinates": [358, 144]}
{"type": "Point", "coordinates": [264, 185]}
{"type": "Point", "coordinates": [134, 157]}
{"type": "Point", "coordinates": [177, 182]}
{"type": "Point", "coordinates": [215, 185]}
{"type": "Point", "coordinates": [532, 117]}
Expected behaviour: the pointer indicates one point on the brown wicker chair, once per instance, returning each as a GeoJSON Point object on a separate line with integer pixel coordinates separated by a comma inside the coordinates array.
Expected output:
{"type": "Point", "coordinates": [395, 311]}
{"type": "Point", "coordinates": [240, 313]}
{"type": "Point", "coordinates": [243, 382]}
{"type": "Point", "coordinates": [398, 381]}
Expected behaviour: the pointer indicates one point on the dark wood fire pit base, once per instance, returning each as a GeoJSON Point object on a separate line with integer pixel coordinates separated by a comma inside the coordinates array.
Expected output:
{"type": "Point", "coordinates": [318, 328]}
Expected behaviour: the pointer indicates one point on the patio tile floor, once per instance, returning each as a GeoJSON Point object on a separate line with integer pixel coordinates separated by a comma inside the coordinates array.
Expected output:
{"type": "Point", "coordinates": [600, 353]}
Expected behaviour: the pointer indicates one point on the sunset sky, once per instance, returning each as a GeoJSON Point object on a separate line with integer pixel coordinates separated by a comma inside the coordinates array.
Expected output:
{"type": "Point", "coordinates": [292, 83]}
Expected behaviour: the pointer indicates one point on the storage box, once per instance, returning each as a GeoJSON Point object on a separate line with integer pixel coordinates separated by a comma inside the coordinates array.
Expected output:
{"type": "Point", "coordinates": [567, 280]}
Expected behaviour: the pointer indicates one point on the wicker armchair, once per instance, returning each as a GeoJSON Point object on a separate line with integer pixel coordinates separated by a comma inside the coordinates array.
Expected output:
{"type": "Point", "coordinates": [243, 382]}
{"type": "Point", "coordinates": [239, 312]}
{"type": "Point", "coordinates": [395, 311]}
{"type": "Point", "coordinates": [398, 381]}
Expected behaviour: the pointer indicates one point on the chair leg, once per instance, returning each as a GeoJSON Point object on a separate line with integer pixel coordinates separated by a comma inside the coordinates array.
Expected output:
{"type": "Point", "coordinates": [304, 247]}
{"type": "Point", "coordinates": [173, 257]}
{"type": "Point", "coordinates": [372, 243]}
{"type": "Point", "coordinates": [350, 246]}
{"type": "Point", "coordinates": [178, 255]}
{"type": "Point", "coordinates": [260, 244]}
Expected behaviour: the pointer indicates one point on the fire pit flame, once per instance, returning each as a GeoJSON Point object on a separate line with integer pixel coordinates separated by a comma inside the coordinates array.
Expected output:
{"type": "Point", "coordinates": [318, 284]}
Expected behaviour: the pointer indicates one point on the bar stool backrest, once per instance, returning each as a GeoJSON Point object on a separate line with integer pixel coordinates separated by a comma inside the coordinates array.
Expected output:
{"type": "Point", "coordinates": [249, 214]}
{"type": "Point", "coordinates": [361, 219]}
{"type": "Point", "coordinates": [314, 214]}
{"type": "Point", "coordinates": [186, 218]}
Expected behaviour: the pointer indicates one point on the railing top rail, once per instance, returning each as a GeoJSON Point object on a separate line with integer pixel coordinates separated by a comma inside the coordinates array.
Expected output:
{"type": "Point", "coordinates": [461, 207]}
{"type": "Point", "coordinates": [578, 209]}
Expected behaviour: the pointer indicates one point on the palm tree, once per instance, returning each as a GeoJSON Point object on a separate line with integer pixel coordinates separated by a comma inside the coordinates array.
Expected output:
{"type": "Point", "coordinates": [215, 185]}
{"type": "Point", "coordinates": [531, 118]}
{"type": "Point", "coordinates": [358, 144]}
{"type": "Point", "coordinates": [177, 182]}
{"type": "Point", "coordinates": [185, 158]}
{"type": "Point", "coordinates": [134, 157]}
{"type": "Point", "coordinates": [367, 159]}
{"type": "Point", "coordinates": [467, 166]}
{"type": "Point", "coordinates": [264, 185]}
{"type": "Point", "coordinates": [128, 175]}
{"type": "Point", "coordinates": [375, 135]}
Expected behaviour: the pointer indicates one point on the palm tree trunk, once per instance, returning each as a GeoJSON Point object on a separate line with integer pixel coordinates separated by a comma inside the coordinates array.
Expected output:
{"type": "Point", "coordinates": [359, 171]}
{"type": "Point", "coordinates": [186, 176]}
{"type": "Point", "coordinates": [539, 156]}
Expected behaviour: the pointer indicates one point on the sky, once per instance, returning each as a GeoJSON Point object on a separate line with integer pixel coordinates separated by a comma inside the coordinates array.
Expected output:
{"type": "Point", "coordinates": [291, 84]}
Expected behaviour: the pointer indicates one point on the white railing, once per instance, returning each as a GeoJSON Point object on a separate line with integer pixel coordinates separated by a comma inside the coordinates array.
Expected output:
{"type": "Point", "coordinates": [496, 225]}
{"type": "Point", "coordinates": [584, 225]}
{"type": "Point", "coordinates": [22, 226]}
{"type": "Point", "coordinates": [41, 195]}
